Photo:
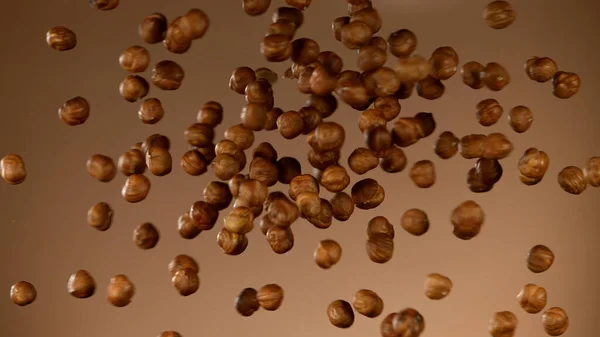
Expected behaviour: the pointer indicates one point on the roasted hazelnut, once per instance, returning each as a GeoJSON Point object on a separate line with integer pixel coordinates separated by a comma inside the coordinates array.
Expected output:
{"type": "Point", "coordinates": [592, 171]}
{"type": "Point", "coordinates": [270, 297]}
{"type": "Point", "coordinates": [100, 216]}
{"type": "Point", "coordinates": [258, 92]}
{"type": "Point", "coordinates": [81, 284]}
{"type": "Point", "coordinates": [411, 69]}
{"type": "Point", "coordinates": [217, 193]}
{"type": "Point", "coordinates": [379, 42]}
{"type": "Point", "coordinates": [120, 291]}
{"type": "Point", "coordinates": [239, 221]}
{"type": "Point", "coordinates": [380, 248]}
{"type": "Point", "coordinates": [303, 79]}
{"type": "Point", "coordinates": [355, 34]}
{"type": "Point", "coordinates": [407, 131]}
{"type": "Point", "coordinates": [290, 124]}
{"type": "Point", "coordinates": [352, 91]}
{"type": "Point", "coordinates": [146, 236]}
{"type": "Point", "coordinates": [497, 146]}
{"type": "Point", "coordinates": [370, 16]}
{"type": "Point", "coordinates": [565, 84]}
{"type": "Point", "coordinates": [473, 74]}
{"type": "Point", "coordinates": [539, 259]}
{"type": "Point", "coordinates": [532, 298]}
{"type": "Point", "coordinates": [408, 322]}
{"type": "Point", "coordinates": [427, 123]}
{"type": "Point", "coordinates": [153, 28]}
{"type": "Point", "coordinates": [555, 321]}
{"type": "Point", "coordinates": [136, 188]}
{"type": "Point", "coordinates": [303, 183]}
{"type": "Point", "coordinates": [12, 169]}
{"type": "Point", "coordinates": [211, 114]}
{"type": "Point", "coordinates": [156, 140]}
{"type": "Point", "coordinates": [370, 119]}
{"type": "Point", "coordinates": [476, 182]}
{"type": "Point", "coordinates": [371, 57]}
{"type": "Point", "coordinates": [291, 14]}
{"type": "Point", "coordinates": [367, 194]}
{"type": "Point", "coordinates": [181, 262]}
{"type": "Point", "coordinates": [241, 136]}
{"type": "Point", "coordinates": [23, 293]}
{"type": "Point", "coordinates": [388, 106]}
{"type": "Point", "coordinates": [271, 119]}
{"type": "Point", "coordinates": [328, 136]}
{"type": "Point", "coordinates": [322, 160]}
{"type": "Point", "coordinates": [104, 5]}
{"type": "Point", "coordinates": [335, 178]}
{"type": "Point", "coordinates": [496, 76]}
{"type": "Point", "coordinates": [280, 239]}
{"type": "Point", "coordinates": [402, 43]}
{"type": "Point", "coordinates": [232, 243]}
{"type": "Point", "coordinates": [100, 167]}
{"type": "Point", "coordinates": [356, 5]}
{"type": "Point", "coordinates": [423, 174]}
{"type": "Point", "coordinates": [167, 75]}
{"type": "Point", "coordinates": [265, 224]}
{"type": "Point", "coordinates": [368, 303]}
{"type": "Point", "coordinates": [159, 161]}
{"type": "Point", "coordinates": [342, 206]}
{"type": "Point", "coordinates": [186, 281]}
{"type": "Point", "coordinates": [135, 59]}
{"type": "Point", "coordinates": [378, 138]}
{"type": "Point", "coordinates": [309, 204]}
{"type": "Point", "coordinates": [534, 164]}
{"type": "Point", "coordinates": [178, 39]}
{"type": "Point", "coordinates": [266, 74]}
{"type": "Point", "coordinates": [489, 170]}
{"type": "Point", "coordinates": [225, 166]}
{"type": "Point", "coordinates": [254, 116]}
{"type": "Point", "coordinates": [381, 82]}
{"type": "Point", "coordinates": [489, 112]}
{"type": "Point", "coordinates": [246, 303]}
{"type": "Point", "coordinates": [503, 324]}
{"type": "Point", "coordinates": [327, 254]}
{"type": "Point", "coordinates": [430, 88]}
{"type": "Point", "coordinates": [520, 118]}
{"type": "Point", "coordinates": [204, 215]}
{"type": "Point", "coordinates": [194, 163]}
{"type": "Point", "coordinates": [311, 118]}
{"type": "Point", "coordinates": [324, 218]}
{"type": "Point", "coordinates": [255, 7]}
{"type": "Point", "coordinates": [444, 63]}
{"type": "Point", "coordinates": [264, 170]}
{"type": "Point", "coordinates": [499, 14]}
{"type": "Point", "coordinates": [340, 314]}
{"type": "Point", "coordinates": [467, 219]}
{"type": "Point", "coordinates": [151, 111]}
{"type": "Point", "coordinates": [472, 146]}
{"type": "Point", "coordinates": [133, 88]}
{"type": "Point", "coordinates": [208, 152]}
{"type": "Point", "coordinates": [198, 22]}
{"type": "Point", "coordinates": [336, 26]}
{"type": "Point", "coordinates": [572, 180]}
{"type": "Point", "coordinates": [234, 184]}
{"type": "Point", "coordinates": [305, 51]}
{"type": "Point", "coordinates": [437, 286]}
{"type": "Point", "coordinates": [240, 78]}
{"type": "Point", "coordinates": [276, 47]}
{"type": "Point", "coordinates": [186, 227]}
{"type": "Point", "coordinates": [541, 69]}
{"type": "Point", "coordinates": [322, 81]}
{"type": "Point", "coordinates": [288, 168]}
{"type": "Point", "coordinates": [283, 212]}
{"type": "Point", "coordinates": [75, 111]}
{"type": "Point", "coordinates": [199, 135]}
{"type": "Point", "coordinates": [393, 160]}
{"type": "Point", "coordinates": [415, 222]}
{"type": "Point", "coordinates": [446, 146]}
{"type": "Point", "coordinates": [132, 162]}
{"type": "Point", "coordinates": [387, 328]}
{"type": "Point", "coordinates": [380, 225]}
{"type": "Point", "coordinates": [61, 38]}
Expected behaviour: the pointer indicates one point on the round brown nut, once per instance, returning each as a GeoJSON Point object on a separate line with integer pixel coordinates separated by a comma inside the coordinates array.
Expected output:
{"type": "Point", "coordinates": [380, 248]}
{"type": "Point", "coordinates": [81, 284]}
{"type": "Point", "coordinates": [167, 75]}
{"type": "Point", "coordinates": [132, 162]}
{"type": "Point", "coordinates": [402, 43]}
{"type": "Point", "coordinates": [555, 321]}
{"type": "Point", "coordinates": [572, 180]}
{"type": "Point", "coordinates": [186, 227]}
{"type": "Point", "coordinates": [503, 324]}
{"type": "Point", "coordinates": [368, 303]}
{"type": "Point", "coordinates": [520, 118]}
{"type": "Point", "coordinates": [75, 111]}
{"type": "Point", "coordinates": [12, 169]}
{"type": "Point", "coordinates": [136, 188]}
{"type": "Point", "coordinates": [367, 194]}
{"type": "Point", "coordinates": [408, 322]}
{"type": "Point", "coordinates": [186, 281]}
{"type": "Point", "coordinates": [104, 5]}
{"type": "Point", "coordinates": [532, 298]}
{"type": "Point", "coordinates": [437, 286]}
{"type": "Point", "coordinates": [467, 219]}
{"type": "Point", "coordinates": [380, 225]}
{"type": "Point", "coordinates": [101, 167]}
{"type": "Point", "coordinates": [496, 76]}
{"type": "Point", "coordinates": [23, 293]}
{"type": "Point", "coordinates": [446, 145]}
{"type": "Point", "coordinates": [146, 236]}
{"type": "Point", "coordinates": [270, 297]}
{"type": "Point", "coordinates": [541, 69]}
{"type": "Point", "coordinates": [232, 243]}
{"type": "Point", "coordinates": [340, 314]}
{"type": "Point", "coordinates": [415, 222]}
{"type": "Point", "coordinates": [499, 14]}
{"type": "Point", "coordinates": [423, 173]}
{"type": "Point", "coordinates": [539, 259]}
{"type": "Point", "coordinates": [181, 262]}
{"type": "Point", "coordinates": [194, 163]}
{"type": "Point", "coordinates": [565, 84]}
{"type": "Point", "coordinates": [489, 112]}
{"type": "Point", "coordinates": [246, 303]}
{"type": "Point", "coordinates": [61, 38]}
{"type": "Point", "coordinates": [153, 28]}
{"type": "Point", "coordinates": [135, 59]}
{"type": "Point", "coordinates": [473, 74]}
{"type": "Point", "coordinates": [327, 254]}
{"type": "Point", "coordinates": [280, 239]}
{"type": "Point", "coordinates": [342, 206]}
{"type": "Point", "coordinates": [151, 111]}
{"type": "Point", "coordinates": [134, 88]}
{"type": "Point", "coordinates": [100, 216]}
{"type": "Point", "coordinates": [120, 291]}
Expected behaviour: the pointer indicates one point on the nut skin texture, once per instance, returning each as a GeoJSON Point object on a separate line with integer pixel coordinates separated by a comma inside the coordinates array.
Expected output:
{"type": "Point", "coordinates": [367, 303]}
{"type": "Point", "coordinates": [288, 168]}
{"type": "Point", "coordinates": [473, 74]}
{"type": "Point", "coordinates": [232, 243]}
{"type": "Point", "coordinates": [120, 291]}
{"type": "Point", "coordinates": [541, 69]}
{"type": "Point", "coordinates": [134, 88]}
{"type": "Point", "coordinates": [402, 43]}
{"type": "Point", "coordinates": [342, 206]}
{"type": "Point", "coordinates": [592, 171]}
{"type": "Point", "coordinates": [539, 259]}
{"type": "Point", "coordinates": [444, 63]}
{"type": "Point", "coordinates": [380, 248]}
{"type": "Point", "coordinates": [499, 14]}
{"type": "Point", "coordinates": [335, 178]}
{"type": "Point", "coordinates": [81, 284]}
{"type": "Point", "coordinates": [280, 239]}
{"type": "Point", "coordinates": [489, 112]}
{"type": "Point", "coordinates": [327, 254]}
{"type": "Point", "coordinates": [520, 118]}
{"type": "Point", "coordinates": [159, 161]}
{"type": "Point", "coordinates": [572, 180]}
{"type": "Point", "coordinates": [362, 160]}
{"type": "Point", "coordinates": [12, 169]}
{"type": "Point", "coordinates": [246, 303]}
{"type": "Point", "coordinates": [211, 114]}
{"type": "Point", "coordinates": [61, 38]}
{"type": "Point", "coordinates": [446, 146]}
{"type": "Point", "coordinates": [408, 322]}
{"type": "Point", "coordinates": [153, 28]}
{"type": "Point", "coordinates": [367, 194]}
{"type": "Point", "coordinates": [380, 225]}
{"type": "Point", "coordinates": [565, 84]}
{"type": "Point", "coordinates": [217, 193]}
{"type": "Point", "coordinates": [100, 216]}
{"type": "Point", "coordinates": [472, 146]}
{"type": "Point", "coordinates": [167, 75]}
{"type": "Point", "coordinates": [415, 222]}
{"type": "Point", "coordinates": [146, 236]}
{"type": "Point", "coordinates": [555, 321]}
{"type": "Point", "coordinates": [75, 111]}
{"type": "Point", "coordinates": [23, 293]}
{"type": "Point", "coordinates": [393, 160]}
{"type": "Point", "coordinates": [496, 76]}
{"type": "Point", "coordinates": [497, 146]}
{"type": "Point", "coordinates": [422, 174]}
{"type": "Point", "coordinates": [534, 164]}
{"type": "Point", "coordinates": [186, 227]}
{"type": "Point", "coordinates": [240, 220]}
{"type": "Point", "coordinates": [101, 168]}
{"type": "Point", "coordinates": [467, 219]}
{"type": "Point", "coordinates": [437, 286]}
{"type": "Point", "coordinates": [183, 261]}
{"type": "Point", "coordinates": [151, 111]}
{"type": "Point", "coordinates": [204, 215]}
{"type": "Point", "coordinates": [532, 298]}
{"type": "Point", "coordinates": [136, 188]}
{"type": "Point", "coordinates": [340, 314]}
{"type": "Point", "coordinates": [503, 324]}
{"type": "Point", "coordinates": [135, 59]}
{"type": "Point", "coordinates": [194, 162]}
{"type": "Point", "coordinates": [270, 297]}
{"type": "Point", "coordinates": [132, 162]}
{"type": "Point", "coordinates": [186, 282]}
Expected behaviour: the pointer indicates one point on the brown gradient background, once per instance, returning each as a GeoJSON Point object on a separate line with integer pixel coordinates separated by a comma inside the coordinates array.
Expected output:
{"type": "Point", "coordinates": [44, 236]}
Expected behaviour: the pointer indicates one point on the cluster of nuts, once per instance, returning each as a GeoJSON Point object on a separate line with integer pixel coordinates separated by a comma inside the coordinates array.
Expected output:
{"type": "Point", "coordinates": [565, 84]}
{"type": "Point", "coordinates": [575, 180]}
{"type": "Point", "coordinates": [269, 297]}
{"type": "Point", "coordinates": [366, 302]}
{"type": "Point", "coordinates": [184, 274]}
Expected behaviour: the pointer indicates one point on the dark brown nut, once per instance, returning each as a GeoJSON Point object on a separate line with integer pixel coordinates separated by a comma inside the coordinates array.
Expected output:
{"type": "Point", "coordinates": [151, 111]}
{"type": "Point", "coordinates": [497, 146]}
{"type": "Point", "coordinates": [499, 14]}
{"type": "Point", "coordinates": [387, 328]}
{"type": "Point", "coordinates": [303, 83]}
{"type": "Point", "coordinates": [186, 282]}
{"type": "Point", "coordinates": [408, 322]}
{"type": "Point", "coordinates": [75, 111]}
{"type": "Point", "coordinates": [520, 118]}
{"type": "Point", "coordinates": [356, 5]}
{"type": "Point", "coordinates": [159, 161]}
{"type": "Point", "coordinates": [242, 136]}
{"type": "Point", "coordinates": [239, 221]}
{"type": "Point", "coordinates": [246, 303]}
{"type": "Point", "coordinates": [259, 92]}
{"type": "Point", "coordinates": [136, 188]}
{"type": "Point", "coordinates": [225, 166]}
{"type": "Point", "coordinates": [23, 293]}
{"type": "Point", "coordinates": [231, 243]}
{"type": "Point", "coordinates": [322, 81]}
{"type": "Point", "coordinates": [388, 106]}
{"type": "Point", "coordinates": [167, 75]}
{"type": "Point", "coordinates": [280, 239]}
{"type": "Point", "coordinates": [81, 284]}
{"type": "Point", "coordinates": [264, 170]}
{"type": "Point", "coordinates": [405, 90]}
{"type": "Point", "coordinates": [253, 193]}
{"type": "Point", "coordinates": [437, 286]}
{"type": "Point", "coordinates": [194, 163]}
{"type": "Point", "coordinates": [378, 139]}
{"type": "Point", "coordinates": [565, 84]}
{"type": "Point", "coordinates": [327, 254]}
{"type": "Point", "coordinates": [592, 171]}
{"type": "Point", "coordinates": [322, 160]}
{"type": "Point", "coordinates": [240, 78]}
{"type": "Point", "coordinates": [156, 140]}
{"type": "Point", "coordinates": [120, 291]}
{"type": "Point", "coordinates": [100, 216]}
{"type": "Point", "coordinates": [326, 105]}
{"type": "Point", "coordinates": [309, 204]}
{"type": "Point", "coordinates": [198, 22]}
{"type": "Point", "coordinates": [430, 88]}
{"type": "Point", "coordinates": [234, 184]}
{"type": "Point", "coordinates": [496, 76]}
{"type": "Point", "coordinates": [204, 215]}
{"type": "Point", "coordinates": [444, 63]}
{"type": "Point", "coordinates": [472, 146]}
{"type": "Point", "coordinates": [265, 224]}
{"type": "Point", "coordinates": [287, 169]}
{"type": "Point", "coordinates": [446, 145]}
{"type": "Point", "coordinates": [270, 296]}
{"type": "Point", "coordinates": [146, 236]}
{"type": "Point", "coordinates": [283, 212]}
{"type": "Point", "coordinates": [367, 194]}
{"type": "Point", "coordinates": [256, 7]}
{"type": "Point", "coordinates": [311, 117]}
{"type": "Point", "coordinates": [368, 303]}
{"type": "Point", "coordinates": [153, 28]}
{"type": "Point", "coordinates": [276, 47]}
{"type": "Point", "coordinates": [336, 26]}
{"type": "Point", "coordinates": [572, 180]}
{"type": "Point", "coordinates": [335, 178]}
{"type": "Point", "coordinates": [356, 34]}
{"type": "Point", "coordinates": [427, 123]}
{"type": "Point", "coordinates": [370, 16]}
{"type": "Point", "coordinates": [99, 166]}
{"type": "Point", "coordinates": [362, 160]}
{"type": "Point", "coordinates": [555, 321]}
{"type": "Point", "coordinates": [381, 82]}
{"type": "Point", "coordinates": [415, 222]}
{"type": "Point", "coordinates": [265, 150]}
{"type": "Point", "coordinates": [467, 219]}
{"type": "Point", "coordinates": [371, 57]}
{"type": "Point", "coordinates": [489, 170]}
{"type": "Point", "coordinates": [411, 69]}
{"type": "Point", "coordinates": [407, 131]}
{"type": "Point", "coordinates": [61, 38]}
{"type": "Point", "coordinates": [371, 118]}
{"type": "Point", "coordinates": [271, 119]}
{"type": "Point", "coordinates": [476, 183]}
{"type": "Point", "coordinates": [303, 183]}
{"type": "Point", "coordinates": [393, 160]}
{"type": "Point", "coordinates": [380, 42]}
{"type": "Point", "coordinates": [181, 262]}
{"type": "Point", "coordinates": [289, 13]}
{"type": "Point", "coordinates": [342, 206]}
{"type": "Point", "coordinates": [305, 51]}
{"type": "Point", "coordinates": [402, 43]}
{"type": "Point", "coordinates": [266, 74]}
{"type": "Point", "coordinates": [380, 225]}
{"type": "Point", "coordinates": [352, 91]}
{"type": "Point", "coordinates": [217, 193]}
{"type": "Point", "coordinates": [135, 59]}
{"type": "Point", "coordinates": [532, 298]}
{"type": "Point", "coordinates": [12, 169]}
{"type": "Point", "coordinates": [534, 164]}
{"type": "Point", "coordinates": [423, 174]}
{"type": "Point", "coordinates": [380, 248]}
{"type": "Point", "coordinates": [340, 314]}
{"type": "Point", "coordinates": [208, 152]}
{"type": "Point", "coordinates": [539, 259]}
{"type": "Point", "coordinates": [324, 218]}
{"type": "Point", "coordinates": [541, 69]}
{"type": "Point", "coordinates": [473, 74]}
{"type": "Point", "coordinates": [489, 112]}
{"type": "Point", "coordinates": [186, 227]}
{"type": "Point", "coordinates": [503, 324]}
{"type": "Point", "coordinates": [290, 124]}
{"type": "Point", "coordinates": [211, 114]}
{"type": "Point", "coordinates": [254, 116]}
